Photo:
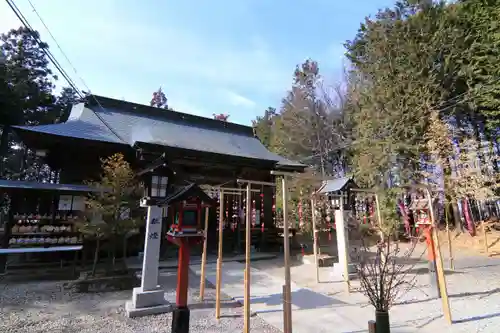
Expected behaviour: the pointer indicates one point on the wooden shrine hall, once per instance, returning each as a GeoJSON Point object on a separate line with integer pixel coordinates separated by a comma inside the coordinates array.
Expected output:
{"type": "Point", "coordinates": [194, 149]}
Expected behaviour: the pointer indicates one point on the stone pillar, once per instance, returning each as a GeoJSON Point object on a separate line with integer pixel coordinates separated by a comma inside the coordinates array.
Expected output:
{"type": "Point", "coordinates": [149, 298]}
{"type": "Point", "coordinates": [341, 227]}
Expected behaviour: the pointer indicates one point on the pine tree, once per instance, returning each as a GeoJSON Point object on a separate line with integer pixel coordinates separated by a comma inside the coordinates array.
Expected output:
{"type": "Point", "coordinates": [159, 100]}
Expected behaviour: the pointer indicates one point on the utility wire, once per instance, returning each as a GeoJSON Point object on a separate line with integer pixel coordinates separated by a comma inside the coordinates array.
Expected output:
{"type": "Point", "coordinates": [54, 61]}
{"type": "Point", "coordinates": [49, 55]}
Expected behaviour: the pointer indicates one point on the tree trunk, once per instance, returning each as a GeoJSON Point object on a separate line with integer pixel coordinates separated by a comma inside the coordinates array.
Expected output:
{"type": "Point", "coordinates": [124, 248]}
{"type": "Point", "coordinates": [96, 257]}
{"type": "Point", "coordinates": [4, 146]}
{"type": "Point", "coordinates": [456, 216]}
{"type": "Point", "coordinates": [382, 322]}
{"type": "Point", "coordinates": [468, 217]}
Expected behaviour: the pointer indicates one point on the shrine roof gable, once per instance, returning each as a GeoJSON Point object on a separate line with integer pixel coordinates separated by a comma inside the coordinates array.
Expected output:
{"type": "Point", "coordinates": [182, 193]}
{"type": "Point", "coordinates": [335, 185]}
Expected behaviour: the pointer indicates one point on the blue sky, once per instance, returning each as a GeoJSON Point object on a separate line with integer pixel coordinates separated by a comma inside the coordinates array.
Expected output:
{"type": "Point", "coordinates": [209, 56]}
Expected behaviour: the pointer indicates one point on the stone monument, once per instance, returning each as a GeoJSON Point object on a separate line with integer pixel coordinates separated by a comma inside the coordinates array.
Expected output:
{"type": "Point", "coordinates": [149, 298]}
{"type": "Point", "coordinates": [343, 266]}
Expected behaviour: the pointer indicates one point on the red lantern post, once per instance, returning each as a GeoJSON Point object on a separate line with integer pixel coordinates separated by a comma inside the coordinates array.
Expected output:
{"type": "Point", "coordinates": [186, 231]}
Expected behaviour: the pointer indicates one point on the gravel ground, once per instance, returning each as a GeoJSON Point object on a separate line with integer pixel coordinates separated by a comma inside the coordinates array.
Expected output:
{"type": "Point", "coordinates": [43, 307]}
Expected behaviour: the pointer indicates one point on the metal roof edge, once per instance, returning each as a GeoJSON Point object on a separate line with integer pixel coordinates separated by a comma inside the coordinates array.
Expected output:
{"type": "Point", "coordinates": [130, 107]}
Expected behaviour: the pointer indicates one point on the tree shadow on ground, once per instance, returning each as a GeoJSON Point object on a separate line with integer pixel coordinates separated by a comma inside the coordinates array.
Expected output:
{"type": "Point", "coordinates": [476, 318]}
{"type": "Point", "coordinates": [464, 294]}
{"type": "Point", "coordinates": [211, 305]}
{"type": "Point", "coordinates": [304, 299]}
{"type": "Point", "coordinates": [425, 270]}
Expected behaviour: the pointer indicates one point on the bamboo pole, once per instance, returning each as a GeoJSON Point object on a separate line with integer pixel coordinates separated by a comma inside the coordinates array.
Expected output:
{"type": "Point", "coordinates": [439, 263]}
{"type": "Point", "coordinates": [219, 256]}
{"type": "Point", "coordinates": [286, 245]}
{"type": "Point", "coordinates": [315, 238]}
{"type": "Point", "coordinates": [204, 257]}
{"type": "Point", "coordinates": [248, 240]}
{"type": "Point", "coordinates": [483, 225]}
{"type": "Point", "coordinates": [246, 319]}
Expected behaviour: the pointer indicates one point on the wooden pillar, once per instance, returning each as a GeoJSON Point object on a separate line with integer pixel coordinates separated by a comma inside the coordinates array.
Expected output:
{"type": "Point", "coordinates": [204, 256]}
{"type": "Point", "coordinates": [315, 238]}
{"type": "Point", "coordinates": [248, 239]}
{"type": "Point", "coordinates": [183, 274]}
{"type": "Point", "coordinates": [219, 256]}
{"type": "Point", "coordinates": [286, 244]}
{"type": "Point", "coordinates": [439, 262]}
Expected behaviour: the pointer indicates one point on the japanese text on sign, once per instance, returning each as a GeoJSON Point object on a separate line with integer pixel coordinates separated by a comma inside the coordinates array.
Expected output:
{"type": "Point", "coordinates": [155, 221]}
{"type": "Point", "coordinates": [153, 235]}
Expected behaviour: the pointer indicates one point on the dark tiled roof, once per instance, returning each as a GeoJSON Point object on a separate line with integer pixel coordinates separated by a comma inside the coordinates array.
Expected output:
{"type": "Point", "coordinates": [334, 185]}
{"type": "Point", "coordinates": [27, 185]}
{"type": "Point", "coordinates": [127, 123]}
{"type": "Point", "coordinates": [182, 193]}
{"type": "Point", "coordinates": [82, 124]}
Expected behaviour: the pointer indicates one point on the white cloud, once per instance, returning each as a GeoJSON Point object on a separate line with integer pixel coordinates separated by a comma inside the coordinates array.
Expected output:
{"type": "Point", "coordinates": [236, 99]}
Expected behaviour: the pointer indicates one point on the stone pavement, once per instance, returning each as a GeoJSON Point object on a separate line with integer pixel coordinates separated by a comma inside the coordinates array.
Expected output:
{"type": "Point", "coordinates": [474, 290]}
{"type": "Point", "coordinates": [136, 263]}
{"type": "Point", "coordinates": [312, 311]}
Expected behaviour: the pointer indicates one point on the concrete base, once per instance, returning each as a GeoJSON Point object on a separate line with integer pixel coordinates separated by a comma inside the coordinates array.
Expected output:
{"type": "Point", "coordinates": [323, 260]}
{"type": "Point", "coordinates": [337, 272]}
{"type": "Point", "coordinates": [140, 312]}
{"type": "Point", "coordinates": [145, 303]}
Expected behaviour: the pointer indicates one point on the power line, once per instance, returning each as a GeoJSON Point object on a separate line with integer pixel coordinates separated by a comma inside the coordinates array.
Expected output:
{"type": "Point", "coordinates": [54, 61]}
{"type": "Point", "coordinates": [55, 41]}
{"type": "Point", "coordinates": [49, 55]}
{"type": "Point", "coordinates": [471, 96]}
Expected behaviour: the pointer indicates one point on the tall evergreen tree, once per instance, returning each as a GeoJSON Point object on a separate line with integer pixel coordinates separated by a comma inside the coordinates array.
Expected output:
{"type": "Point", "coordinates": [28, 88]}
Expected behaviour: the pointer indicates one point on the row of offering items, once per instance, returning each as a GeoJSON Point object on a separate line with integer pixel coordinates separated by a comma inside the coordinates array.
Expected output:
{"type": "Point", "coordinates": [43, 228]}
{"type": "Point", "coordinates": [34, 218]}
{"type": "Point", "coordinates": [45, 240]}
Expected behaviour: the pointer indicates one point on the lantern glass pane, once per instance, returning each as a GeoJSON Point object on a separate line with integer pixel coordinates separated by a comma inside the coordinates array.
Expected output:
{"type": "Point", "coordinates": [159, 186]}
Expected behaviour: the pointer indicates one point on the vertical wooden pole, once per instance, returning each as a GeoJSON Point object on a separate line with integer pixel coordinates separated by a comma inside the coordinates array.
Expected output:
{"type": "Point", "coordinates": [248, 240]}
{"type": "Point", "coordinates": [315, 238]}
{"type": "Point", "coordinates": [286, 244]}
{"type": "Point", "coordinates": [372, 326]}
{"type": "Point", "coordinates": [483, 226]}
{"type": "Point", "coordinates": [379, 217]}
{"type": "Point", "coordinates": [219, 256]}
{"type": "Point", "coordinates": [285, 310]}
{"type": "Point", "coordinates": [204, 257]}
{"type": "Point", "coordinates": [439, 263]}
{"type": "Point", "coordinates": [448, 236]}
{"type": "Point", "coordinates": [246, 319]}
